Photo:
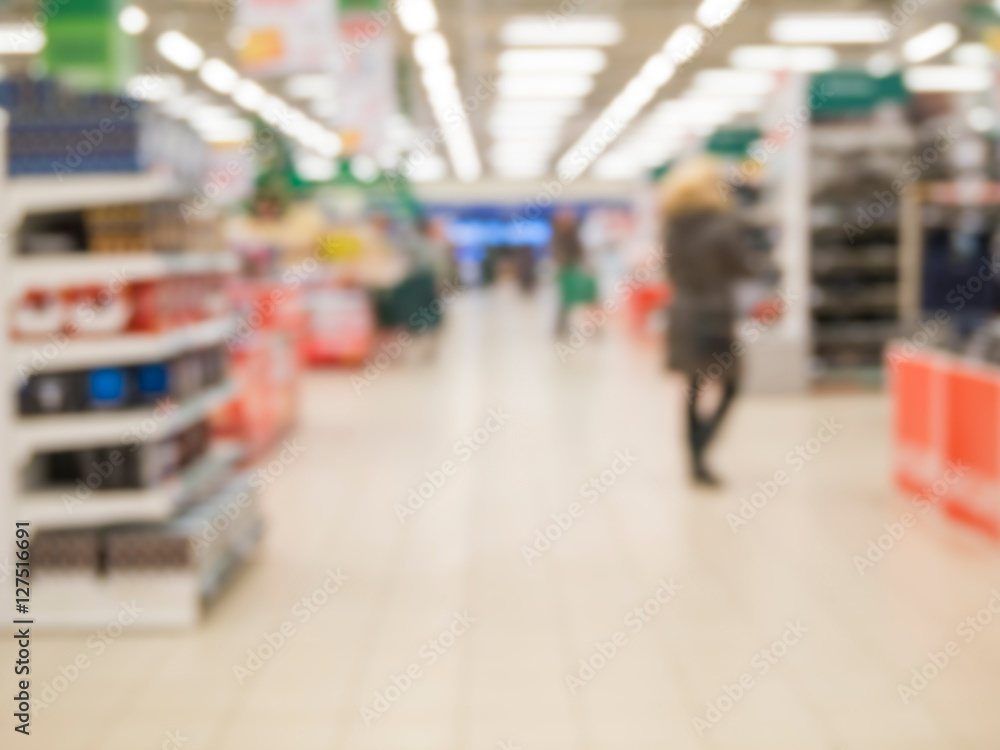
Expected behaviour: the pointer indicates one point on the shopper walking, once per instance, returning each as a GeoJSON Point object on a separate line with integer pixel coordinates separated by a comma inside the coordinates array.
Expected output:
{"type": "Point", "coordinates": [705, 257]}
{"type": "Point", "coordinates": [576, 286]}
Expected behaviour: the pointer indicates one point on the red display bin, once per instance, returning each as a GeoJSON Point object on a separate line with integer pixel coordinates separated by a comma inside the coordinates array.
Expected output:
{"type": "Point", "coordinates": [946, 433]}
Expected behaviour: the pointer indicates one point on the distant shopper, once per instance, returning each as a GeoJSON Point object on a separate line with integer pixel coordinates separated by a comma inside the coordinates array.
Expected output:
{"type": "Point", "coordinates": [576, 285]}
{"type": "Point", "coordinates": [706, 255]}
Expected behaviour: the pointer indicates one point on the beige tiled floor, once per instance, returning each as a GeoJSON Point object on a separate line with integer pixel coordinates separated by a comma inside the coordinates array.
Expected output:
{"type": "Point", "coordinates": [502, 684]}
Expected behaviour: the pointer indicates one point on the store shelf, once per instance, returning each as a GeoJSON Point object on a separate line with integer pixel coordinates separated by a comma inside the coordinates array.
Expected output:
{"type": "Point", "coordinates": [166, 598]}
{"type": "Point", "coordinates": [55, 508]}
{"type": "Point", "coordinates": [40, 194]}
{"type": "Point", "coordinates": [124, 349]}
{"type": "Point", "coordinates": [103, 429]}
{"type": "Point", "coordinates": [80, 269]}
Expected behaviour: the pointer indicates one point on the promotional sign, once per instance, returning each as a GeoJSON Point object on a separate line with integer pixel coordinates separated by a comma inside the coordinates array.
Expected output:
{"type": "Point", "coordinates": [287, 36]}
{"type": "Point", "coordinates": [367, 61]}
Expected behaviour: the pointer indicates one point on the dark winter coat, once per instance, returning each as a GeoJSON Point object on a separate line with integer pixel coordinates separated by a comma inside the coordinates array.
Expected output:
{"type": "Point", "coordinates": [706, 256]}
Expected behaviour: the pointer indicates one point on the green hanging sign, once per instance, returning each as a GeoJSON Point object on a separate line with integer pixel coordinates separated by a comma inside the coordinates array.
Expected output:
{"type": "Point", "coordinates": [854, 92]}
{"type": "Point", "coordinates": [85, 46]}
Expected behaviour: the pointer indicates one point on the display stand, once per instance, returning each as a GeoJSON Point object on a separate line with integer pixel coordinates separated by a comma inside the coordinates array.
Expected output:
{"type": "Point", "coordinates": [170, 595]}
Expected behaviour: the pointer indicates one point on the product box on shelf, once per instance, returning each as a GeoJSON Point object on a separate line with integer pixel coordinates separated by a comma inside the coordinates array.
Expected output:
{"type": "Point", "coordinates": [265, 363]}
{"type": "Point", "coordinates": [340, 327]}
{"type": "Point", "coordinates": [50, 123]}
{"type": "Point", "coordinates": [144, 306]}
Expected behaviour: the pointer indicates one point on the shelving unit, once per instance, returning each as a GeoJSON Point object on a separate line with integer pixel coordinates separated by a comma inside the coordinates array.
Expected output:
{"type": "Point", "coordinates": [855, 279]}
{"type": "Point", "coordinates": [178, 505]}
{"type": "Point", "coordinates": [79, 268]}
{"type": "Point", "coordinates": [125, 349]}
{"type": "Point", "coordinates": [58, 509]}
{"type": "Point", "coordinates": [96, 429]}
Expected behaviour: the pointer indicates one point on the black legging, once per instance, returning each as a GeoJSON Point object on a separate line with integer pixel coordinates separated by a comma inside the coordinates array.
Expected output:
{"type": "Point", "coordinates": [701, 430]}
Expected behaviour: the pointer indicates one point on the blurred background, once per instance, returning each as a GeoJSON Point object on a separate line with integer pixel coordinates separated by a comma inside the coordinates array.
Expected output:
{"type": "Point", "coordinates": [500, 375]}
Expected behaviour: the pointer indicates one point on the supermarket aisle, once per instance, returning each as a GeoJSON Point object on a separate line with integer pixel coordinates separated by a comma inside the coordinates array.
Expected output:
{"type": "Point", "coordinates": [443, 635]}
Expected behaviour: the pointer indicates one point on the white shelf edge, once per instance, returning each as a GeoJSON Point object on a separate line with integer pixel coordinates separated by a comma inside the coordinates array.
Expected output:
{"type": "Point", "coordinates": [107, 429]}
{"type": "Point", "coordinates": [47, 509]}
{"type": "Point", "coordinates": [42, 193]}
{"type": "Point", "coordinates": [86, 268]}
{"type": "Point", "coordinates": [122, 349]}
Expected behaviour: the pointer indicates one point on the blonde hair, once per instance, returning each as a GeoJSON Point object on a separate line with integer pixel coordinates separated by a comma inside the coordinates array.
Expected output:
{"type": "Point", "coordinates": [694, 185]}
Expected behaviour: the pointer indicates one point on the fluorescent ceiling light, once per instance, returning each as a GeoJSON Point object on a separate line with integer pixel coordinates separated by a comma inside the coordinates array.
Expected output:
{"type": "Point", "coordinates": [440, 77]}
{"type": "Point", "coordinates": [616, 169]}
{"type": "Point", "coordinates": [973, 55]}
{"type": "Point", "coordinates": [589, 61]}
{"type": "Point", "coordinates": [417, 16]}
{"type": "Point", "coordinates": [21, 39]}
{"type": "Point", "coordinates": [431, 169]}
{"type": "Point", "coordinates": [931, 43]}
{"type": "Point", "coordinates": [981, 119]}
{"type": "Point", "coordinates": [179, 50]}
{"type": "Point", "coordinates": [882, 64]}
{"type": "Point", "coordinates": [678, 112]}
{"type": "Point", "coordinates": [748, 103]}
{"type": "Point", "coordinates": [776, 57]}
{"type": "Point", "coordinates": [829, 28]}
{"type": "Point", "coordinates": [684, 43]}
{"type": "Point", "coordinates": [310, 86]}
{"type": "Point", "coordinates": [727, 80]}
{"type": "Point", "coordinates": [133, 20]}
{"type": "Point", "coordinates": [209, 113]}
{"type": "Point", "coordinates": [556, 86]}
{"type": "Point", "coordinates": [230, 131]}
{"type": "Point", "coordinates": [577, 31]}
{"type": "Point", "coordinates": [537, 107]}
{"type": "Point", "coordinates": [218, 76]}
{"type": "Point", "coordinates": [182, 106]}
{"type": "Point", "coordinates": [539, 129]}
{"type": "Point", "coordinates": [154, 88]}
{"type": "Point", "coordinates": [430, 49]}
{"type": "Point", "coordinates": [329, 144]}
{"type": "Point", "coordinates": [325, 108]}
{"type": "Point", "coordinates": [315, 168]}
{"type": "Point", "coordinates": [249, 95]}
{"type": "Point", "coordinates": [657, 71]}
{"type": "Point", "coordinates": [715, 13]}
{"type": "Point", "coordinates": [946, 78]}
